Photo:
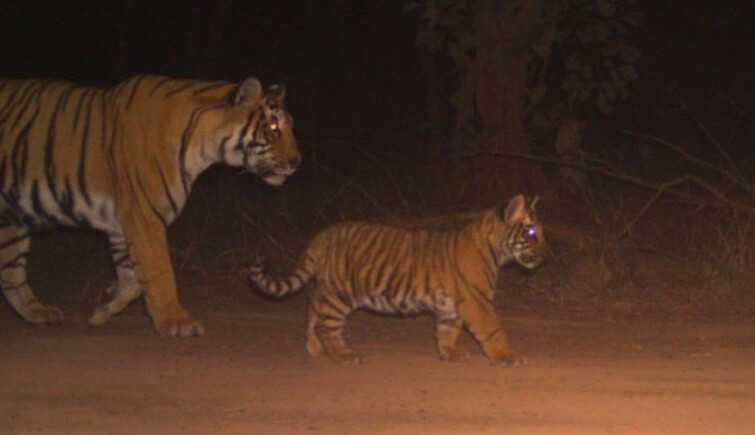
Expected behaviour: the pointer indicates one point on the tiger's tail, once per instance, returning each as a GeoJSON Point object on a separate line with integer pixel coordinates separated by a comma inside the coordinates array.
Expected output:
{"type": "Point", "coordinates": [283, 286]}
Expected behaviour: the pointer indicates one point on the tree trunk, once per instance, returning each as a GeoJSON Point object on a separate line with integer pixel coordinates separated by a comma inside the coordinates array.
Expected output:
{"type": "Point", "coordinates": [495, 90]}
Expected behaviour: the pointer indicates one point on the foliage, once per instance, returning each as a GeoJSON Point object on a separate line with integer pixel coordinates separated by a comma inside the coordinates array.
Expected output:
{"type": "Point", "coordinates": [588, 38]}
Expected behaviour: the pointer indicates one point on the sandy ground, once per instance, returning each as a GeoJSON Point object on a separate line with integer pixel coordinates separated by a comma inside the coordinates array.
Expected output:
{"type": "Point", "coordinates": [250, 374]}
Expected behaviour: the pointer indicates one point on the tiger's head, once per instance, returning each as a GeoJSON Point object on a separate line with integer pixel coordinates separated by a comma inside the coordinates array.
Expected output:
{"type": "Point", "coordinates": [265, 143]}
{"type": "Point", "coordinates": [523, 239]}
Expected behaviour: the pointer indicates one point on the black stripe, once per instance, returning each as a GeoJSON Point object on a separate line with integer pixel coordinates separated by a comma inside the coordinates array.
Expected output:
{"type": "Point", "coordinates": [180, 89]}
{"type": "Point", "coordinates": [131, 97]}
{"type": "Point", "coordinates": [18, 262]}
{"type": "Point", "coordinates": [20, 153]}
{"type": "Point", "coordinates": [25, 102]}
{"type": "Point", "coordinates": [149, 201]}
{"type": "Point", "coordinates": [242, 134]}
{"type": "Point", "coordinates": [185, 142]}
{"type": "Point", "coordinates": [7, 243]}
{"type": "Point", "coordinates": [157, 85]}
{"type": "Point", "coordinates": [82, 164]}
{"type": "Point", "coordinates": [77, 114]}
{"type": "Point", "coordinates": [166, 187]}
{"type": "Point", "coordinates": [66, 200]}
{"type": "Point", "coordinates": [103, 117]}
{"type": "Point", "coordinates": [11, 102]}
{"type": "Point", "coordinates": [210, 87]}
{"type": "Point", "coordinates": [490, 336]}
{"type": "Point", "coordinates": [36, 204]}
{"type": "Point", "coordinates": [222, 148]}
{"type": "Point", "coordinates": [50, 142]}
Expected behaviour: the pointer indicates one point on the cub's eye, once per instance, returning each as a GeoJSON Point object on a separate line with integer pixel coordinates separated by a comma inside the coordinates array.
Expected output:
{"type": "Point", "coordinates": [530, 231]}
{"type": "Point", "coordinates": [274, 126]}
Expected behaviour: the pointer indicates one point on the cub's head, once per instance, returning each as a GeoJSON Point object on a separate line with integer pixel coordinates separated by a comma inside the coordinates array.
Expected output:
{"type": "Point", "coordinates": [523, 238]}
{"type": "Point", "coordinates": [263, 138]}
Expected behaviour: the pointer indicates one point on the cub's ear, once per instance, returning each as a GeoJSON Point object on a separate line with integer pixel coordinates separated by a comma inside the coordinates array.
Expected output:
{"type": "Point", "coordinates": [516, 209]}
{"type": "Point", "coordinates": [533, 203]}
{"type": "Point", "coordinates": [247, 92]}
{"type": "Point", "coordinates": [276, 92]}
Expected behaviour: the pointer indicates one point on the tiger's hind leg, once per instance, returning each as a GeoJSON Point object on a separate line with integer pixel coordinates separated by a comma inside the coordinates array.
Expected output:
{"type": "Point", "coordinates": [314, 346]}
{"type": "Point", "coordinates": [126, 290]}
{"type": "Point", "coordinates": [448, 325]}
{"type": "Point", "coordinates": [14, 246]}
{"type": "Point", "coordinates": [328, 314]}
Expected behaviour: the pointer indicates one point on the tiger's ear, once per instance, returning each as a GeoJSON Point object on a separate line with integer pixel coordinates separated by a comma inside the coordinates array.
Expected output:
{"type": "Point", "coordinates": [249, 91]}
{"type": "Point", "coordinates": [533, 203]}
{"type": "Point", "coordinates": [516, 209]}
{"type": "Point", "coordinates": [276, 92]}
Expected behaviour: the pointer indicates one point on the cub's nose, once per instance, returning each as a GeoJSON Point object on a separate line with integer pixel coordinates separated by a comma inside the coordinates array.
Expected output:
{"type": "Point", "coordinates": [294, 162]}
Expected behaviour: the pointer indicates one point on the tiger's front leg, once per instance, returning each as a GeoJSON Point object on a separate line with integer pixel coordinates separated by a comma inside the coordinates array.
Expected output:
{"type": "Point", "coordinates": [482, 322]}
{"type": "Point", "coordinates": [148, 249]}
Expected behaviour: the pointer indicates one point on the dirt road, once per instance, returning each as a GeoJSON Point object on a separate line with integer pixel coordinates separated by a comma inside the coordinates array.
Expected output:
{"type": "Point", "coordinates": [251, 375]}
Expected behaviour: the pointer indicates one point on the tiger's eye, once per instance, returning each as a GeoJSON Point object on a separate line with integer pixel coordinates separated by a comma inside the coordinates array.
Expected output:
{"type": "Point", "coordinates": [531, 231]}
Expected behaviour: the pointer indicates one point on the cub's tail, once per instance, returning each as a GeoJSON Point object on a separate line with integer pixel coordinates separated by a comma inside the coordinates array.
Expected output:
{"type": "Point", "coordinates": [282, 286]}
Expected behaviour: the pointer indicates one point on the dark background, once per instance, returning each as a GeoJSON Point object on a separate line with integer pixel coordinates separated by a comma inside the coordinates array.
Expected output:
{"type": "Point", "coordinates": [351, 66]}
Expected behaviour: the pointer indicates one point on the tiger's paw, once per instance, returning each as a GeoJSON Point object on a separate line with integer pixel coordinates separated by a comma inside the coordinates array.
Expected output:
{"type": "Point", "coordinates": [42, 315]}
{"type": "Point", "coordinates": [454, 354]}
{"type": "Point", "coordinates": [100, 316]}
{"type": "Point", "coordinates": [182, 327]}
{"type": "Point", "coordinates": [511, 359]}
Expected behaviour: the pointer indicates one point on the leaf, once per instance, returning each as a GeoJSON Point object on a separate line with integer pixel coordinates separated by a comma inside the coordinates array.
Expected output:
{"type": "Point", "coordinates": [456, 54]}
{"type": "Point", "coordinates": [628, 72]}
{"type": "Point", "coordinates": [629, 53]}
{"type": "Point", "coordinates": [411, 6]}
{"type": "Point", "coordinates": [634, 18]}
{"type": "Point", "coordinates": [572, 62]}
{"type": "Point", "coordinates": [430, 40]}
{"type": "Point", "coordinates": [603, 104]}
{"type": "Point", "coordinates": [606, 8]}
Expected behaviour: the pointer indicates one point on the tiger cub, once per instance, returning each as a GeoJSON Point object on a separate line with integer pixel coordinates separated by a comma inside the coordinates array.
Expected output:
{"type": "Point", "coordinates": [390, 269]}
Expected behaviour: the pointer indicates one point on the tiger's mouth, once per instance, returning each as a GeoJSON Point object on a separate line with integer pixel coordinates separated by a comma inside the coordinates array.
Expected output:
{"type": "Point", "coordinates": [529, 260]}
{"type": "Point", "coordinates": [271, 175]}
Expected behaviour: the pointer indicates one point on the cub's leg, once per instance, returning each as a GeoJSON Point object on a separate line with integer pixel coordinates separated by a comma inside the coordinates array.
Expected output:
{"type": "Point", "coordinates": [447, 328]}
{"type": "Point", "coordinates": [14, 246]}
{"type": "Point", "coordinates": [314, 347]}
{"type": "Point", "coordinates": [148, 249]}
{"type": "Point", "coordinates": [483, 323]}
{"type": "Point", "coordinates": [126, 290]}
{"type": "Point", "coordinates": [328, 314]}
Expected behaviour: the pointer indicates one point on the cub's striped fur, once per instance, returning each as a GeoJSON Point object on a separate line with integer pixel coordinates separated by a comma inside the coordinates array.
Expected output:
{"type": "Point", "coordinates": [390, 269]}
{"type": "Point", "coordinates": [123, 161]}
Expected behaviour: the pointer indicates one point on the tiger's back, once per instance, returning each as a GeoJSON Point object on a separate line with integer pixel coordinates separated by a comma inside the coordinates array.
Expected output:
{"type": "Point", "coordinates": [392, 269]}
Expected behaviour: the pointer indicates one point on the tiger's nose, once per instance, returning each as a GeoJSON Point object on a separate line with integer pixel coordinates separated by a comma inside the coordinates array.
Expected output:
{"type": "Point", "coordinates": [294, 162]}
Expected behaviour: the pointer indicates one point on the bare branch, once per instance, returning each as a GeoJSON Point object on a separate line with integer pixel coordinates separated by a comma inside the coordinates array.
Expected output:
{"type": "Point", "coordinates": [718, 200]}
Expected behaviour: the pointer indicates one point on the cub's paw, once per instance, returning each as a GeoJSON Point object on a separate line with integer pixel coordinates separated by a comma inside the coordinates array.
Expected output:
{"type": "Point", "coordinates": [511, 359]}
{"type": "Point", "coordinates": [183, 327]}
{"type": "Point", "coordinates": [347, 358]}
{"type": "Point", "coordinates": [454, 354]}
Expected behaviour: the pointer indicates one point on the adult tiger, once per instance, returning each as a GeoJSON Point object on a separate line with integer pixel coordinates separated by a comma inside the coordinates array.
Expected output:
{"type": "Point", "coordinates": [123, 161]}
{"type": "Point", "coordinates": [399, 270]}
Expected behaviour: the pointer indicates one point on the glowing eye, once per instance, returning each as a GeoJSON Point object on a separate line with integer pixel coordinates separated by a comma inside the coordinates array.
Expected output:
{"type": "Point", "coordinates": [274, 127]}
{"type": "Point", "coordinates": [531, 231]}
